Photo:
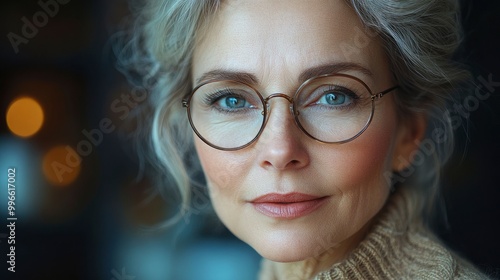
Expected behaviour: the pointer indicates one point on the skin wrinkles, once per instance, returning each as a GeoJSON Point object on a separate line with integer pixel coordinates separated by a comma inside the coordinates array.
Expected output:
{"type": "Point", "coordinates": [275, 45]}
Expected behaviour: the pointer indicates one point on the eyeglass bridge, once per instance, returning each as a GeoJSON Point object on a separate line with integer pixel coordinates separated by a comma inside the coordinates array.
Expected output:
{"type": "Point", "coordinates": [276, 95]}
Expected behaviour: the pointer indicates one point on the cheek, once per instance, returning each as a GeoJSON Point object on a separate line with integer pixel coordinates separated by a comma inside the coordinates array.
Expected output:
{"type": "Point", "coordinates": [224, 171]}
{"type": "Point", "coordinates": [354, 174]}
{"type": "Point", "coordinates": [360, 166]}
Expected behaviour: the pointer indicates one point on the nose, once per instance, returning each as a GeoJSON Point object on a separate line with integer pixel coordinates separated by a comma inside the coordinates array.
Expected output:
{"type": "Point", "coordinates": [281, 145]}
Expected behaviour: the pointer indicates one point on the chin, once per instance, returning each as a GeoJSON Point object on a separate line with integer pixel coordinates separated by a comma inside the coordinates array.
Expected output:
{"type": "Point", "coordinates": [284, 256]}
{"type": "Point", "coordinates": [287, 247]}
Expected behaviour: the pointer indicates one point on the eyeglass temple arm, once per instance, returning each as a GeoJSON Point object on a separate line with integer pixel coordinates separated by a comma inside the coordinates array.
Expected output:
{"type": "Point", "coordinates": [382, 93]}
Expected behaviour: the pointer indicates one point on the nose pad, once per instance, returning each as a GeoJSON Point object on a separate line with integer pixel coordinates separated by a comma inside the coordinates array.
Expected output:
{"type": "Point", "coordinates": [268, 109]}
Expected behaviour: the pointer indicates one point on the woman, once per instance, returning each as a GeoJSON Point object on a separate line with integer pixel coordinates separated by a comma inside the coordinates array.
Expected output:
{"type": "Point", "coordinates": [320, 126]}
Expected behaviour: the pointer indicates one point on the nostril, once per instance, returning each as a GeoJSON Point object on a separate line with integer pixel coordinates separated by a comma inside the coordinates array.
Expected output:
{"type": "Point", "coordinates": [276, 164]}
{"type": "Point", "coordinates": [294, 162]}
{"type": "Point", "coordinates": [267, 164]}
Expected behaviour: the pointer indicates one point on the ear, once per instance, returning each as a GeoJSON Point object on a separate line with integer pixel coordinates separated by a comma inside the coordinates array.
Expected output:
{"type": "Point", "coordinates": [410, 133]}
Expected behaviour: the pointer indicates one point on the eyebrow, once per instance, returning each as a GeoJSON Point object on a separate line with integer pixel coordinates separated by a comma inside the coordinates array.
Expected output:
{"type": "Point", "coordinates": [332, 68]}
{"type": "Point", "coordinates": [249, 78]}
{"type": "Point", "coordinates": [220, 74]}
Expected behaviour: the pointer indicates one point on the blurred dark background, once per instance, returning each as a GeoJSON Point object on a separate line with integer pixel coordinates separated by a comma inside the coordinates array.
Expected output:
{"type": "Point", "coordinates": [82, 226]}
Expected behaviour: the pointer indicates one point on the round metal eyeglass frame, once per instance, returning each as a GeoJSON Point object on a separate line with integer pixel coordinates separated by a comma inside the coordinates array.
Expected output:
{"type": "Point", "coordinates": [266, 108]}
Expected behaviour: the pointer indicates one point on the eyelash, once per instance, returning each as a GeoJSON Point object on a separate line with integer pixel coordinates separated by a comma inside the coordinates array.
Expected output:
{"type": "Point", "coordinates": [341, 89]}
{"type": "Point", "coordinates": [215, 96]}
{"type": "Point", "coordinates": [344, 90]}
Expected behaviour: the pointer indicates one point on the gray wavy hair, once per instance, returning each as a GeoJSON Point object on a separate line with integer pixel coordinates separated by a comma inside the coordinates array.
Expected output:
{"type": "Point", "coordinates": [419, 36]}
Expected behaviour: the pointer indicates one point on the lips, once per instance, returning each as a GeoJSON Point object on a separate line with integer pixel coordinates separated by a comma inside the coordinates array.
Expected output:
{"type": "Point", "coordinates": [287, 206]}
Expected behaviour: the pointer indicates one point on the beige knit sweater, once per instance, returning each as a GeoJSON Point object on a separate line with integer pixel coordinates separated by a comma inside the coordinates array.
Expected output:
{"type": "Point", "coordinates": [395, 248]}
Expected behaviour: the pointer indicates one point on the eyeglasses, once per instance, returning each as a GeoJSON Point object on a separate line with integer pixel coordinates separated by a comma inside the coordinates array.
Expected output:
{"type": "Point", "coordinates": [230, 115]}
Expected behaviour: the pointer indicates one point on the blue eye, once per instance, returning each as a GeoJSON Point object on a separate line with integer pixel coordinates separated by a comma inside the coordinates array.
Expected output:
{"type": "Point", "coordinates": [233, 102]}
{"type": "Point", "coordinates": [335, 99]}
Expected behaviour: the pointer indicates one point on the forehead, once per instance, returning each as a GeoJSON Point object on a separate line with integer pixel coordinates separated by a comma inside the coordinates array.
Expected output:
{"type": "Point", "coordinates": [277, 39]}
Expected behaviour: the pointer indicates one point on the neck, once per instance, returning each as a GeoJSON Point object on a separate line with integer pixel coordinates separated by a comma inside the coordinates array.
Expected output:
{"type": "Point", "coordinates": [308, 268]}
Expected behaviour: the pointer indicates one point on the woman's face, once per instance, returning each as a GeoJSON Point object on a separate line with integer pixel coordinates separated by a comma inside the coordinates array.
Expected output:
{"type": "Point", "coordinates": [277, 41]}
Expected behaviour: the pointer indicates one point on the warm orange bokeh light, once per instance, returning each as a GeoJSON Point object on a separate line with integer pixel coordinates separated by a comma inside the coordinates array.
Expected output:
{"type": "Point", "coordinates": [24, 117]}
{"type": "Point", "coordinates": [61, 165]}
